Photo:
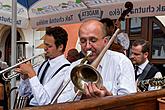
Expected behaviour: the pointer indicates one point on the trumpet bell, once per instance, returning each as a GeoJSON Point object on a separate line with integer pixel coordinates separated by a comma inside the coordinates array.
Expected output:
{"type": "Point", "coordinates": [83, 74]}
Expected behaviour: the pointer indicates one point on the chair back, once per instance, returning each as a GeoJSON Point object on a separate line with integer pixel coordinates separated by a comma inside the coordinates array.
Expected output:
{"type": "Point", "coordinates": [20, 101]}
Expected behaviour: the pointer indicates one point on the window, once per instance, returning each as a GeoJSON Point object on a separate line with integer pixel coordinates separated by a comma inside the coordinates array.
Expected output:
{"type": "Point", "coordinates": [135, 26]}
{"type": "Point", "coordinates": [158, 42]}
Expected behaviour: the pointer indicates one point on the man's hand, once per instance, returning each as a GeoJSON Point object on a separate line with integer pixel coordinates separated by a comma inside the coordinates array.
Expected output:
{"type": "Point", "coordinates": [26, 70]}
{"type": "Point", "coordinates": [91, 90]}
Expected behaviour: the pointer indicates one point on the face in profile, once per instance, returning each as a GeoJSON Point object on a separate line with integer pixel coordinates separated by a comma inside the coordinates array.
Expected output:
{"type": "Point", "coordinates": [137, 56]}
{"type": "Point", "coordinates": [50, 48]}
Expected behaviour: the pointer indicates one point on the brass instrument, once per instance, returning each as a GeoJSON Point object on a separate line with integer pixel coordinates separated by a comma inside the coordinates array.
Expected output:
{"type": "Point", "coordinates": [15, 74]}
{"type": "Point", "coordinates": [84, 73]}
{"type": "Point", "coordinates": [54, 99]}
{"type": "Point", "coordinates": [143, 84]}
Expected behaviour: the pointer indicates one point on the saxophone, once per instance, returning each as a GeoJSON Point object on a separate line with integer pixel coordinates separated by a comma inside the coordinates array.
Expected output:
{"type": "Point", "coordinates": [153, 82]}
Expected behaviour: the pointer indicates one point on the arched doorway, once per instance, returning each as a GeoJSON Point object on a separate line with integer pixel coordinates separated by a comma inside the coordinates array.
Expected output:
{"type": "Point", "coordinates": [8, 46]}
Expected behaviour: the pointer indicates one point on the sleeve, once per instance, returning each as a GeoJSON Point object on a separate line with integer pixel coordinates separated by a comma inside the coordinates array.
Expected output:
{"type": "Point", "coordinates": [126, 79]}
{"type": "Point", "coordinates": [24, 88]}
{"type": "Point", "coordinates": [68, 94]}
{"type": "Point", "coordinates": [43, 94]}
{"type": "Point", "coordinates": [157, 75]}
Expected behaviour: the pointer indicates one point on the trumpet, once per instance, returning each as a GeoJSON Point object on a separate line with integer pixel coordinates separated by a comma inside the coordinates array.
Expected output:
{"type": "Point", "coordinates": [15, 74]}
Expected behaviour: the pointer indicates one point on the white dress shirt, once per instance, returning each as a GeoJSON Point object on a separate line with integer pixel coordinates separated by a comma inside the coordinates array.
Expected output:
{"type": "Point", "coordinates": [43, 94]}
{"type": "Point", "coordinates": [157, 75]}
{"type": "Point", "coordinates": [117, 72]}
{"type": "Point", "coordinates": [142, 66]}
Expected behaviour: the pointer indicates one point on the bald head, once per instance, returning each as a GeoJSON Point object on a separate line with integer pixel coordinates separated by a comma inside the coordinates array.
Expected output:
{"type": "Point", "coordinates": [92, 35]}
{"type": "Point", "coordinates": [93, 25]}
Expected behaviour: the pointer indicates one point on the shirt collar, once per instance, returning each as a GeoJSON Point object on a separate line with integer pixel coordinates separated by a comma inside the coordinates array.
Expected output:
{"type": "Point", "coordinates": [56, 60]}
{"type": "Point", "coordinates": [142, 66]}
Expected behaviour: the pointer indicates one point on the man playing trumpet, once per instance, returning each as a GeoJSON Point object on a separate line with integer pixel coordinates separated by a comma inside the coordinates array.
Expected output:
{"type": "Point", "coordinates": [43, 82]}
{"type": "Point", "coordinates": [115, 68]}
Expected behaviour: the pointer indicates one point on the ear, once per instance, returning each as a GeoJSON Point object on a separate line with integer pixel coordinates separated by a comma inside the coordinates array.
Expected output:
{"type": "Point", "coordinates": [106, 39]}
{"type": "Point", "coordinates": [60, 47]}
{"type": "Point", "coordinates": [146, 54]}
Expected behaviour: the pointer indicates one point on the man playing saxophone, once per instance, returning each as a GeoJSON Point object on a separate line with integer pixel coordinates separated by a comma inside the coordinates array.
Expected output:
{"type": "Point", "coordinates": [115, 68]}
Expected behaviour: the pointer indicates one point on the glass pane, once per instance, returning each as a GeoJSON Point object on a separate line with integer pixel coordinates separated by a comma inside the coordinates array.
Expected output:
{"type": "Point", "coordinates": [158, 43]}
{"type": "Point", "coordinates": [135, 26]}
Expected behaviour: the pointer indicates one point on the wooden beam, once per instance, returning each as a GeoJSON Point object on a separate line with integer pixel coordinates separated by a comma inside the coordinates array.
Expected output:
{"type": "Point", "coordinates": [137, 101]}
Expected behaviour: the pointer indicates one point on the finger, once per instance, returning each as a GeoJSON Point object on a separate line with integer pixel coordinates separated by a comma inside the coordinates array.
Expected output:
{"type": "Point", "coordinates": [96, 90]}
{"type": "Point", "coordinates": [18, 70]}
{"type": "Point", "coordinates": [87, 93]}
{"type": "Point", "coordinates": [107, 93]}
{"type": "Point", "coordinates": [92, 91]}
{"type": "Point", "coordinates": [28, 62]}
{"type": "Point", "coordinates": [100, 92]}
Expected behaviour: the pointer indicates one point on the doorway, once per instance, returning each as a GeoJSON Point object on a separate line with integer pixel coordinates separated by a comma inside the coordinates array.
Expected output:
{"type": "Point", "coordinates": [8, 46]}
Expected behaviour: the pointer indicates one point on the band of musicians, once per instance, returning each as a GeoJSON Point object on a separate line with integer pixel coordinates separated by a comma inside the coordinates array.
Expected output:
{"type": "Point", "coordinates": [108, 64]}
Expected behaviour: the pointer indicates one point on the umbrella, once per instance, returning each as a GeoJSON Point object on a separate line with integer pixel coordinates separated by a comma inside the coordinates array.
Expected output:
{"type": "Point", "coordinates": [23, 9]}
{"type": "Point", "coordinates": [45, 13]}
{"type": "Point", "coordinates": [48, 14]}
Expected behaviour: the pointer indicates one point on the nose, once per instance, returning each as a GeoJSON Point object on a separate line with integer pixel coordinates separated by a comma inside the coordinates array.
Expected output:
{"type": "Point", "coordinates": [45, 48]}
{"type": "Point", "coordinates": [88, 45]}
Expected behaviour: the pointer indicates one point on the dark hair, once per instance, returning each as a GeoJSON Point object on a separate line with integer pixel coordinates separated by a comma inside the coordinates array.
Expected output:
{"type": "Point", "coordinates": [60, 35]}
{"type": "Point", "coordinates": [108, 22]}
{"type": "Point", "coordinates": [73, 55]}
{"type": "Point", "coordinates": [145, 45]}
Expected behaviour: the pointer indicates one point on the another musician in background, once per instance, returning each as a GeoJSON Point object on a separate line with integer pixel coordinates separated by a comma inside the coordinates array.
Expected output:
{"type": "Point", "coordinates": [143, 68]}
{"type": "Point", "coordinates": [115, 68]}
{"type": "Point", "coordinates": [43, 83]}
{"type": "Point", "coordinates": [73, 55]}
{"type": "Point", "coordinates": [109, 24]}
{"type": "Point", "coordinates": [121, 42]}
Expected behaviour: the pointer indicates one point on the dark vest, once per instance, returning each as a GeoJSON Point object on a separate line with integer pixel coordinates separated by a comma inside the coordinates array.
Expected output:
{"type": "Point", "coordinates": [149, 72]}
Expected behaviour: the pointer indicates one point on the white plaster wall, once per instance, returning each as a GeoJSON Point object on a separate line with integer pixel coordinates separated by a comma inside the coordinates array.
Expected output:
{"type": "Point", "coordinates": [33, 38]}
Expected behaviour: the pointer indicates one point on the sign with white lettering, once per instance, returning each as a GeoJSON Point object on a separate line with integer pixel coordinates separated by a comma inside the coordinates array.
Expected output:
{"type": "Point", "coordinates": [6, 14]}
{"type": "Point", "coordinates": [45, 13]}
{"type": "Point", "coordinates": [97, 9]}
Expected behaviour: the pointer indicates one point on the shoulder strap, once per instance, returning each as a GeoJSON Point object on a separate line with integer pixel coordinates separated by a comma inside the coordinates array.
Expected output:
{"type": "Point", "coordinates": [145, 71]}
{"type": "Point", "coordinates": [41, 66]}
{"type": "Point", "coordinates": [60, 69]}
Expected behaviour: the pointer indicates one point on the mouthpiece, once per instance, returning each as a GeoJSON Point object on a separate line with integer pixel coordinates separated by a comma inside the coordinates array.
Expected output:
{"type": "Point", "coordinates": [89, 52]}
